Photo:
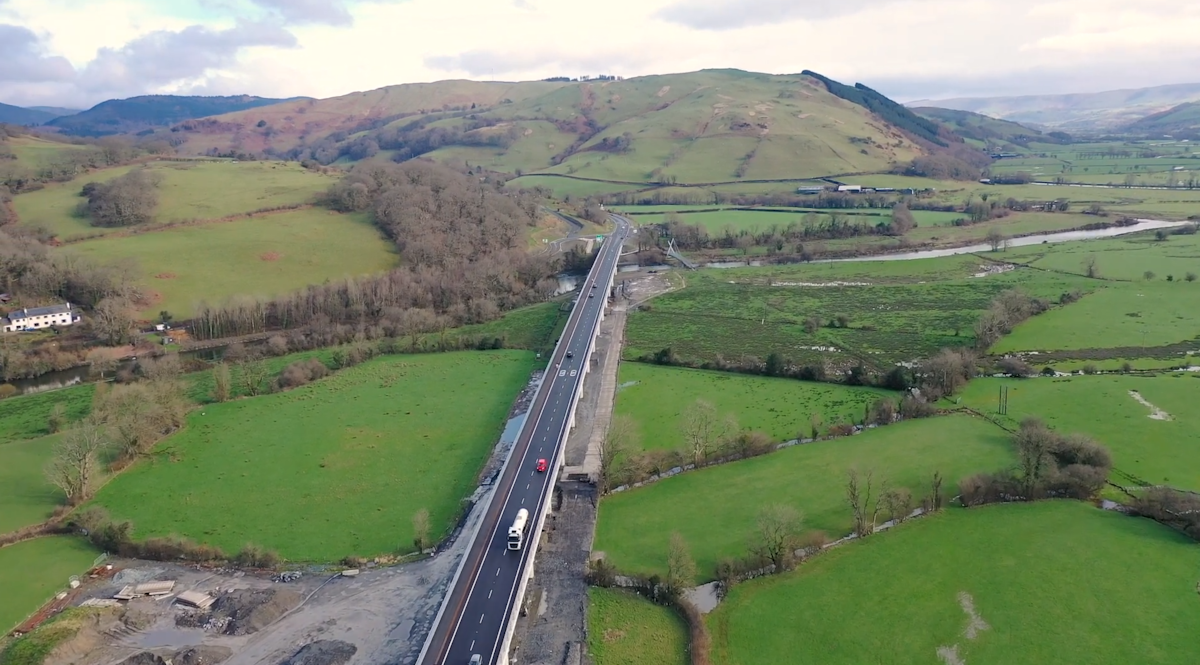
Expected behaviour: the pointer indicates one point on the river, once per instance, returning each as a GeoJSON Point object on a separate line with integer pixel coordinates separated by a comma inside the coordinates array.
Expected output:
{"type": "Point", "coordinates": [1042, 238]}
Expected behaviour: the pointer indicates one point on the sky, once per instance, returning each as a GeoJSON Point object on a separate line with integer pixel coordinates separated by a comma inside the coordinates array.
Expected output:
{"type": "Point", "coordinates": [77, 53]}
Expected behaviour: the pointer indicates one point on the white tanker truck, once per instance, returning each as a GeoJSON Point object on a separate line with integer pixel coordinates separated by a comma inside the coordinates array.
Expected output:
{"type": "Point", "coordinates": [516, 532]}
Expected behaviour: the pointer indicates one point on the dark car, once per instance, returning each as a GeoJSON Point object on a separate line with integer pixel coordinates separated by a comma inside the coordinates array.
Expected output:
{"type": "Point", "coordinates": [570, 355]}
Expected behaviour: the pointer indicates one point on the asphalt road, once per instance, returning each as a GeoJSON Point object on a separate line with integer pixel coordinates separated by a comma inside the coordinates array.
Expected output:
{"type": "Point", "coordinates": [483, 598]}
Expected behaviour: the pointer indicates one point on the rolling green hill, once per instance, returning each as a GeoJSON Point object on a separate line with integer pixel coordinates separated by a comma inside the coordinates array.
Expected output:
{"type": "Point", "coordinates": [1182, 121]}
{"type": "Point", "coordinates": [119, 116]}
{"type": "Point", "coordinates": [700, 127]}
{"type": "Point", "coordinates": [986, 132]}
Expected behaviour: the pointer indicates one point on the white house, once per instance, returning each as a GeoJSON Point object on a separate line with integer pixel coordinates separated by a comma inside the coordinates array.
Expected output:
{"type": "Point", "coordinates": [38, 318]}
{"type": "Point", "coordinates": [852, 189]}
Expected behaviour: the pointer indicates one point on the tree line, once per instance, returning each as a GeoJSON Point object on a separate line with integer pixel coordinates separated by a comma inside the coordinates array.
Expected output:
{"type": "Point", "coordinates": [462, 251]}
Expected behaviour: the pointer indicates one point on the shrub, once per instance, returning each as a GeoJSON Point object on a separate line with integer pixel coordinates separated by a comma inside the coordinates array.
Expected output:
{"type": "Point", "coordinates": [812, 542]}
{"type": "Point", "coordinates": [300, 373]}
{"type": "Point", "coordinates": [1172, 507]}
{"type": "Point", "coordinates": [911, 407]}
{"type": "Point", "coordinates": [883, 412]}
{"type": "Point", "coordinates": [1090, 368]}
{"type": "Point", "coordinates": [7, 390]}
{"type": "Point", "coordinates": [1016, 367]}
{"type": "Point", "coordinates": [253, 556]}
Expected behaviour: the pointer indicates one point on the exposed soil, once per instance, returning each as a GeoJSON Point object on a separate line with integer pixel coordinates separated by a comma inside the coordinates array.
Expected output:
{"type": "Point", "coordinates": [165, 275]}
{"type": "Point", "coordinates": [270, 256]}
{"type": "Point", "coordinates": [1155, 412]}
{"type": "Point", "coordinates": [323, 652]}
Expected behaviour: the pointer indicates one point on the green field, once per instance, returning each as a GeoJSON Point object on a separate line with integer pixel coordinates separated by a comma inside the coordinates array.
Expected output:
{"type": "Point", "coordinates": [898, 311]}
{"type": "Point", "coordinates": [1144, 314]}
{"type": "Point", "coordinates": [533, 328]}
{"type": "Point", "coordinates": [25, 417]}
{"type": "Point", "coordinates": [26, 497]}
{"type": "Point", "coordinates": [1055, 582]}
{"type": "Point", "coordinates": [33, 571]}
{"type": "Point", "coordinates": [335, 468]}
{"type": "Point", "coordinates": [1125, 258]}
{"type": "Point", "coordinates": [656, 397]}
{"type": "Point", "coordinates": [1158, 451]}
{"type": "Point", "coordinates": [625, 629]}
{"type": "Point", "coordinates": [259, 256]}
{"type": "Point", "coordinates": [734, 222]}
{"type": "Point", "coordinates": [33, 152]}
{"type": "Point", "coordinates": [189, 190]}
{"type": "Point", "coordinates": [715, 508]}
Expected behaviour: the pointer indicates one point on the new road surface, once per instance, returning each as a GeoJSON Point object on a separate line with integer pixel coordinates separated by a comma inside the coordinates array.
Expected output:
{"type": "Point", "coordinates": [483, 597]}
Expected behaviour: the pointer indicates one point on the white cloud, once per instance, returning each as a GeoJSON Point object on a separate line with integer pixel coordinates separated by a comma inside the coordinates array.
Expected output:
{"type": "Point", "coordinates": [911, 48]}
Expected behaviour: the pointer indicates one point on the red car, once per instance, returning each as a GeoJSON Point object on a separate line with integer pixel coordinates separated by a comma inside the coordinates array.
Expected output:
{"type": "Point", "coordinates": [541, 466]}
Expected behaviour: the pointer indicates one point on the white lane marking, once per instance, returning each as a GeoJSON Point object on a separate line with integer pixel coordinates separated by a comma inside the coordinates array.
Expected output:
{"type": "Point", "coordinates": [497, 571]}
{"type": "Point", "coordinates": [527, 484]}
{"type": "Point", "coordinates": [490, 592]}
{"type": "Point", "coordinates": [481, 618]}
{"type": "Point", "coordinates": [472, 646]}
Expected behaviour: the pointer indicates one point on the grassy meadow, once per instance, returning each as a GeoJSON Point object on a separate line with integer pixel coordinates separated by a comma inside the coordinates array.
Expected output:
{"type": "Point", "coordinates": [187, 191]}
{"type": "Point", "coordinates": [715, 508]}
{"type": "Point", "coordinates": [1120, 315]}
{"type": "Point", "coordinates": [33, 571]}
{"type": "Point", "coordinates": [1057, 582]}
{"type": "Point", "coordinates": [337, 467]}
{"type": "Point", "coordinates": [32, 152]}
{"type": "Point", "coordinates": [626, 629]}
{"type": "Point", "coordinates": [1163, 452]}
{"type": "Point", "coordinates": [26, 497]}
{"type": "Point", "coordinates": [656, 398]}
{"type": "Point", "coordinates": [258, 256]}
{"type": "Point", "coordinates": [896, 313]}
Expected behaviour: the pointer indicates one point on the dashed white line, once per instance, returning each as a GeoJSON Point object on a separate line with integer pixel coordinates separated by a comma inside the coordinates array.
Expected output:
{"type": "Point", "coordinates": [481, 618]}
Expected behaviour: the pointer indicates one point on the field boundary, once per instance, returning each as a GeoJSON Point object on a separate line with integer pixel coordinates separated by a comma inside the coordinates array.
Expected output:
{"type": "Point", "coordinates": [128, 232]}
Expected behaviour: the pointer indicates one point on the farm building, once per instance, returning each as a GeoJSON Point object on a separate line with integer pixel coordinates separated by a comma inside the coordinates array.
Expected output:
{"type": "Point", "coordinates": [38, 318]}
{"type": "Point", "coordinates": [853, 189]}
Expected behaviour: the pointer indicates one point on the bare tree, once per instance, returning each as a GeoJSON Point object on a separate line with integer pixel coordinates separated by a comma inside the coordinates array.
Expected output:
{"type": "Point", "coordinates": [902, 220]}
{"type": "Point", "coordinates": [253, 376]}
{"type": "Point", "coordinates": [57, 420]}
{"type": "Point", "coordinates": [75, 467]}
{"type": "Point", "coordinates": [420, 522]}
{"type": "Point", "coordinates": [112, 321]}
{"type": "Point", "coordinates": [222, 383]}
{"type": "Point", "coordinates": [898, 503]}
{"type": "Point", "coordinates": [864, 500]}
{"type": "Point", "coordinates": [702, 428]}
{"type": "Point", "coordinates": [614, 450]}
{"type": "Point", "coordinates": [1035, 442]}
{"type": "Point", "coordinates": [1090, 267]}
{"type": "Point", "coordinates": [775, 537]}
{"type": "Point", "coordinates": [995, 238]}
{"type": "Point", "coordinates": [681, 568]}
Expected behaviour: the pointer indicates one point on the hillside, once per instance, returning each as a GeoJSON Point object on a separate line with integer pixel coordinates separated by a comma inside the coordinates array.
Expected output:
{"type": "Point", "coordinates": [699, 127]}
{"type": "Point", "coordinates": [16, 115]}
{"type": "Point", "coordinates": [1075, 112]}
{"type": "Point", "coordinates": [989, 133]}
{"type": "Point", "coordinates": [123, 116]}
{"type": "Point", "coordinates": [283, 126]}
{"type": "Point", "coordinates": [1182, 121]}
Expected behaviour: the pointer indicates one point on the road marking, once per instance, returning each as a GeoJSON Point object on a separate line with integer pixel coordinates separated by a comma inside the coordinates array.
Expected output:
{"type": "Point", "coordinates": [481, 618]}
{"type": "Point", "coordinates": [490, 592]}
{"type": "Point", "coordinates": [472, 646]}
{"type": "Point", "coordinates": [527, 484]}
{"type": "Point", "coordinates": [497, 571]}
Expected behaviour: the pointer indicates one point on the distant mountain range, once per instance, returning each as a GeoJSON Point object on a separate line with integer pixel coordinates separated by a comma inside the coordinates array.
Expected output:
{"type": "Point", "coordinates": [34, 115]}
{"type": "Point", "coordinates": [138, 114]}
{"type": "Point", "coordinates": [1083, 112]}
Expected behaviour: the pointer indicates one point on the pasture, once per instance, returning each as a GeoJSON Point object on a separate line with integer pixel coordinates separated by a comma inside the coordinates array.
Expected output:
{"type": "Point", "coordinates": [1125, 315]}
{"type": "Point", "coordinates": [338, 467]}
{"type": "Point", "coordinates": [33, 571]}
{"type": "Point", "coordinates": [1156, 451]}
{"type": "Point", "coordinates": [189, 190]}
{"type": "Point", "coordinates": [715, 508]}
{"type": "Point", "coordinates": [26, 416]}
{"type": "Point", "coordinates": [626, 629]}
{"type": "Point", "coordinates": [33, 152]}
{"type": "Point", "coordinates": [1125, 258]}
{"type": "Point", "coordinates": [656, 398]}
{"type": "Point", "coordinates": [26, 497]}
{"type": "Point", "coordinates": [260, 256]}
{"type": "Point", "coordinates": [893, 313]}
{"type": "Point", "coordinates": [1057, 581]}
